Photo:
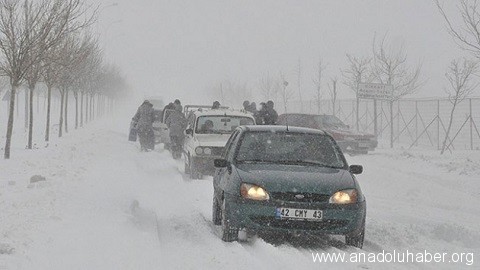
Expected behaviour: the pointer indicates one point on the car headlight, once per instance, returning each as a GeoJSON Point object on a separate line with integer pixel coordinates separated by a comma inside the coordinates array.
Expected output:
{"type": "Point", "coordinates": [253, 192]}
{"type": "Point", "coordinates": [346, 196]}
{"type": "Point", "coordinates": [207, 151]}
{"type": "Point", "coordinates": [199, 150]}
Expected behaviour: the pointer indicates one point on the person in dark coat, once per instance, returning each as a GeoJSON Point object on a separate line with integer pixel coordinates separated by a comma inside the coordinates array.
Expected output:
{"type": "Point", "coordinates": [261, 114]}
{"type": "Point", "coordinates": [246, 106]}
{"type": "Point", "coordinates": [144, 119]}
{"type": "Point", "coordinates": [271, 115]}
{"type": "Point", "coordinates": [177, 123]}
{"type": "Point", "coordinates": [216, 105]}
{"type": "Point", "coordinates": [170, 106]}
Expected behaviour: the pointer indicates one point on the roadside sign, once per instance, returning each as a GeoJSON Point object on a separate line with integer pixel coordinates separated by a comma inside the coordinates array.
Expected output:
{"type": "Point", "coordinates": [375, 91]}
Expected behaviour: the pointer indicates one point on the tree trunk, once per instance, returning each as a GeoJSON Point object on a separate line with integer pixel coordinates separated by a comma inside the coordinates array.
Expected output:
{"type": "Point", "coordinates": [49, 106]}
{"type": "Point", "coordinates": [26, 109]}
{"type": "Point", "coordinates": [60, 124]}
{"type": "Point", "coordinates": [11, 111]}
{"type": "Point", "coordinates": [30, 119]}
{"type": "Point", "coordinates": [391, 124]}
{"type": "Point", "coordinates": [81, 109]}
{"type": "Point", "coordinates": [447, 133]}
{"type": "Point", "coordinates": [66, 110]}
{"type": "Point", "coordinates": [357, 115]}
{"type": "Point", "coordinates": [75, 95]}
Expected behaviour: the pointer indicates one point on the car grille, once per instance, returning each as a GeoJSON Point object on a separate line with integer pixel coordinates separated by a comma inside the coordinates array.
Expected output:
{"type": "Point", "coordinates": [217, 151]}
{"type": "Point", "coordinates": [328, 224]}
{"type": "Point", "coordinates": [307, 197]}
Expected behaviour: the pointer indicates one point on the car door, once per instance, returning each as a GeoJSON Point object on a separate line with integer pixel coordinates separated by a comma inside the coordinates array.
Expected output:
{"type": "Point", "coordinates": [189, 143]}
{"type": "Point", "coordinates": [222, 175]}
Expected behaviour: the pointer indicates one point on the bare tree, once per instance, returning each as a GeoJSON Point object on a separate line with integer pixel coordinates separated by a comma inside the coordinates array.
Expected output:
{"type": "Point", "coordinates": [358, 72]}
{"type": "Point", "coordinates": [317, 81]}
{"type": "Point", "coordinates": [333, 92]}
{"type": "Point", "coordinates": [390, 67]}
{"type": "Point", "coordinates": [467, 34]}
{"type": "Point", "coordinates": [286, 93]}
{"type": "Point", "coordinates": [27, 30]}
{"type": "Point", "coordinates": [267, 87]}
{"type": "Point", "coordinates": [459, 76]}
{"type": "Point", "coordinates": [299, 82]}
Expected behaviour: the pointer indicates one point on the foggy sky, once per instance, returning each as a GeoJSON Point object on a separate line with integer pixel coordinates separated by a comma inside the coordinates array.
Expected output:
{"type": "Point", "coordinates": [175, 48]}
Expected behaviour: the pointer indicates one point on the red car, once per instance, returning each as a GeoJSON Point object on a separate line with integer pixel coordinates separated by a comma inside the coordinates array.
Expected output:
{"type": "Point", "coordinates": [349, 140]}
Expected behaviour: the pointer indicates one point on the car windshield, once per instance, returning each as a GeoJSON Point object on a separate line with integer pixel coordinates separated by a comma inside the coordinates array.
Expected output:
{"type": "Point", "coordinates": [219, 124]}
{"type": "Point", "coordinates": [330, 121]}
{"type": "Point", "coordinates": [290, 148]}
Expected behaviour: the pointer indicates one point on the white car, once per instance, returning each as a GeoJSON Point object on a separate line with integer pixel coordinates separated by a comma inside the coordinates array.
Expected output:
{"type": "Point", "coordinates": [207, 133]}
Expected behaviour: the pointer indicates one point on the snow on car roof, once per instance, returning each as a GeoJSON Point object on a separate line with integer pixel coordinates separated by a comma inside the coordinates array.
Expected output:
{"type": "Point", "coordinates": [227, 112]}
{"type": "Point", "coordinates": [260, 128]}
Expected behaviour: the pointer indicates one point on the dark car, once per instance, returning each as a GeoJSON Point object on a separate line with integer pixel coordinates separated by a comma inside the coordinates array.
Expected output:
{"type": "Point", "coordinates": [349, 140]}
{"type": "Point", "coordinates": [278, 179]}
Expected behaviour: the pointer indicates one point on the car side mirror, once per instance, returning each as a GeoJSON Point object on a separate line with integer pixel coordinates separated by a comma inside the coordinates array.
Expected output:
{"type": "Point", "coordinates": [189, 131]}
{"type": "Point", "coordinates": [356, 169]}
{"type": "Point", "coordinates": [220, 163]}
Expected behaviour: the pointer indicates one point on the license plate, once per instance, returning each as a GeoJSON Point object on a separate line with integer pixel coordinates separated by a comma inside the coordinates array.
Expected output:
{"type": "Point", "coordinates": [292, 213]}
{"type": "Point", "coordinates": [363, 145]}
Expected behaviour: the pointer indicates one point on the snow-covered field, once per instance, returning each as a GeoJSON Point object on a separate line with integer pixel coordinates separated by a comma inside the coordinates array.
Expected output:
{"type": "Point", "coordinates": [105, 205]}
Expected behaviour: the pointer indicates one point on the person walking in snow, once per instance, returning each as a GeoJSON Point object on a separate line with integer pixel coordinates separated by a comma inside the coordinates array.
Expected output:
{"type": "Point", "coordinates": [144, 119]}
{"type": "Point", "coordinates": [177, 123]}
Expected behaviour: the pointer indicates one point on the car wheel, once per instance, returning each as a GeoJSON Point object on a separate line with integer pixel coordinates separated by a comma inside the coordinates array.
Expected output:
{"type": "Point", "coordinates": [216, 212]}
{"type": "Point", "coordinates": [356, 240]}
{"type": "Point", "coordinates": [229, 233]}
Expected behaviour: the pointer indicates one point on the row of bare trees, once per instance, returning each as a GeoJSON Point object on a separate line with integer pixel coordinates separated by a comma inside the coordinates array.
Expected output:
{"type": "Point", "coordinates": [49, 43]}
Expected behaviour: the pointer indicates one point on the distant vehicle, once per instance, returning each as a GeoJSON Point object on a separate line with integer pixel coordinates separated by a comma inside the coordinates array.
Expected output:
{"type": "Point", "coordinates": [206, 135]}
{"type": "Point", "coordinates": [192, 108]}
{"type": "Point", "coordinates": [287, 180]}
{"type": "Point", "coordinates": [349, 140]}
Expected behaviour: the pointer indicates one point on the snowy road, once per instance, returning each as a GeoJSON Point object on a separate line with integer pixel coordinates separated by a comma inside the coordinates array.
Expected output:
{"type": "Point", "coordinates": [105, 205]}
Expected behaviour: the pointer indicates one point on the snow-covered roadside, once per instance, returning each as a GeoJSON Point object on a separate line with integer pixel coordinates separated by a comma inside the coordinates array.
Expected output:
{"type": "Point", "coordinates": [105, 205]}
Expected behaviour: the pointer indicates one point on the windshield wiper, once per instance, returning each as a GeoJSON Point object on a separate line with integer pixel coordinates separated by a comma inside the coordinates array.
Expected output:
{"type": "Point", "coordinates": [254, 161]}
{"type": "Point", "coordinates": [306, 162]}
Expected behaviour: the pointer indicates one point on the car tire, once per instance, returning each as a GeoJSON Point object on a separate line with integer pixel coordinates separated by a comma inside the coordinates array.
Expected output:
{"type": "Point", "coordinates": [356, 240]}
{"type": "Point", "coordinates": [229, 233]}
{"type": "Point", "coordinates": [216, 212]}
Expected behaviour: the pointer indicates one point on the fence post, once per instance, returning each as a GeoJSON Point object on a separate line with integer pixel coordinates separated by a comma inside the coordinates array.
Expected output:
{"type": "Point", "coordinates": [391, 123]}
{"type": "Point", "coordinates": [375, 127]}
{"type": "Point", "coordinates": [438, 124]}
{"type": "Point", "coordinates": [471, 123]}
{"type": "Point", "coordinates": [416, 120]}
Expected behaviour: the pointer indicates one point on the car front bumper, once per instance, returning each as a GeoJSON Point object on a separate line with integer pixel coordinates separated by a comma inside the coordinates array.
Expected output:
{"type": "Point", "coordinates": [260, 217]}
{"type": "Point", "coordinates": [355, 145]}
{"type": "Point", "coordinates": [204, 164]}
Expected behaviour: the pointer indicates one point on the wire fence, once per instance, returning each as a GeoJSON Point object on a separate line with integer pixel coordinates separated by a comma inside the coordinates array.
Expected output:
{"type": "Point", "coordinates": [407, 123]}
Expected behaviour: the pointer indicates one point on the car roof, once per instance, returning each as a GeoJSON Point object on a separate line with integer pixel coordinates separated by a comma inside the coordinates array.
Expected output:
{"type": "Point", "coordinates": [222, 112]}
{"type": "Point", "coordinates": [290, 129]}
{"type": "Point", "coordinates": [306, 114]}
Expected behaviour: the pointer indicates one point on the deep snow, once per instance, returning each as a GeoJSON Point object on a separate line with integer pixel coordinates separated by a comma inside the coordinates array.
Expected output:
{"type": "Point", "coordinates": [105, 205]}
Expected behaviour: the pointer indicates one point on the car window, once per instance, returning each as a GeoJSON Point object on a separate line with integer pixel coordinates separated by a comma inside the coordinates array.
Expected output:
{"type": "Point", "coordinates": [218, 124]}
{"type": "Point", "coordinates": [286, 147]}
{"type": "Point", "coordinates": [229, 144]}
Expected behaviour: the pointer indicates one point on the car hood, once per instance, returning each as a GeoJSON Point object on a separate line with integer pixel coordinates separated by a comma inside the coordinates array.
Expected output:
{"type": "Point", "coordinates": [288, 178]}
{"type": "Point", "coordinates": [212, 140]}
{"type": "Point", "coordinates": [349, 133]}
